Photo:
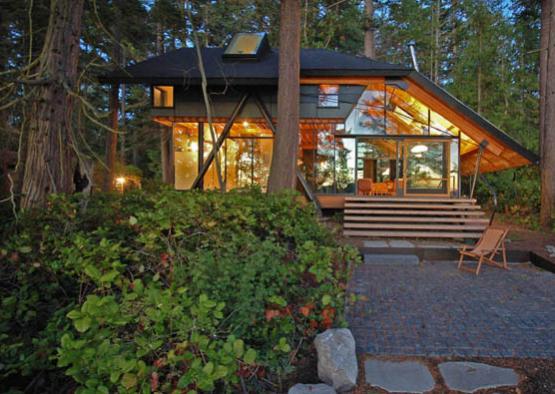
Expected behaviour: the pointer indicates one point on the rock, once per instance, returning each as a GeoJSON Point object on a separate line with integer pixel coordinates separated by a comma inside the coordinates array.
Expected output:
{"type": "Point", "coordinates": [398, 376]}
{"type": "Point", "coordinates": [337, 361]}
{"type": "Point", "coordinates": [469, 377]}
{"type": "Point", "coordinates": [311, 389]}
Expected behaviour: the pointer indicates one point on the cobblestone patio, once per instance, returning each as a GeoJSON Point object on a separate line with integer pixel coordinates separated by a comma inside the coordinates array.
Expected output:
{"type": "Point", "coordinates": [432, 309]}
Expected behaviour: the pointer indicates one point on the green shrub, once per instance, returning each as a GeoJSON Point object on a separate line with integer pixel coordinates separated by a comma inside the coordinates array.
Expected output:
{"type": "Point", "coordinates": [167, 290]}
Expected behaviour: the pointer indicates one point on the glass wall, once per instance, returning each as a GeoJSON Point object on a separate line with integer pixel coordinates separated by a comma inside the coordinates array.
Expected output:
{"type": "Point", "coordinates": [388, 166]}
{"type": "Point", "coordinates": [388, 109]}
{"type": "Point", "coordinates": [245, 156]}
{"type": "Point", "coordinates": [345, 161]}
{"type": "Point", "coordinates": [186, 154]}
{"type": "Point", "coordinates": [327, 160]}
{"type": "Point", "coordinates": [427, 167]}
{"type": "Point", "coordinates": [390, 140]}
{"type": "Point", "coordinates": [376, 161]}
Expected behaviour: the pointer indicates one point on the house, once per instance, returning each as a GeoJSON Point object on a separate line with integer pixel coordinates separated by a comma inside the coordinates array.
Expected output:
{"type": "Point", "coordinates": [370, 132]}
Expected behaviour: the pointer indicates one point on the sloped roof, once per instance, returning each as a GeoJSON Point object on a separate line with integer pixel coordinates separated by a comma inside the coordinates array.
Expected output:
{"type": "Point", "coordinates": [181, 66]}
{"type": "Point", "coordinates": [458, 106]}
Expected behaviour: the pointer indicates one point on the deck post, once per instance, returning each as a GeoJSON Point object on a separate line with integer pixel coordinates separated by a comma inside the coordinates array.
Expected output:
{"type": "Point", "coordinates": [483, 144]}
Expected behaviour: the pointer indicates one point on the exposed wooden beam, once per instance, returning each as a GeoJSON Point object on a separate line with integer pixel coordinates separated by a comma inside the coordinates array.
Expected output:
{"type": "Point", "coordinates": [341, 80]}
{"type": "Point", "coordinates": [220, 140]}
{"type": "Point", "coordinates": [463, 123]}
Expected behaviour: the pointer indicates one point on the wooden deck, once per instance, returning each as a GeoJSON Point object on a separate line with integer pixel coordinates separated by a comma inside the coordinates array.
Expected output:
{"type": "Point", "coordinates": [397, 217]}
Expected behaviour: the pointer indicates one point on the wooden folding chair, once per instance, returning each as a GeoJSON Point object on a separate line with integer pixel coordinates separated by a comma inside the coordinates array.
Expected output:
{"type": "Point", "coordinates": [486, 249]}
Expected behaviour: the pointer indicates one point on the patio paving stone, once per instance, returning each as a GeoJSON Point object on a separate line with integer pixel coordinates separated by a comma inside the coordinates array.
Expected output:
{"type": "Point", "coordinates": [432, 309]}
{"type": "Point", "coordinates": [469, 377]}
{"type": "Point", "coordinates": [375, 244]}
{"type": "Point", "coordinates": [398, 377]}
{"type": "Point", "coordinates": [401, 244]}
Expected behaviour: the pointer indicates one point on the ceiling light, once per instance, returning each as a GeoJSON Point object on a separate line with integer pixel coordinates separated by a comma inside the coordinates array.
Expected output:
{"type": "Point", "coordinates": [419, 148]}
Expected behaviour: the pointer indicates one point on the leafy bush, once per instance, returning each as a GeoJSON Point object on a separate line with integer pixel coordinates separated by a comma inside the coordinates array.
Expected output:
{"type": "Point", "coordinates": [167, 290]}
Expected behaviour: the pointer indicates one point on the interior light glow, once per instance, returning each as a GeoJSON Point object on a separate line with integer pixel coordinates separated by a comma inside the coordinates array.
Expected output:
{"type": "Point", "coordinates": [120, 180]}
{"type": "Point", "coordinates": [419, 148]}
{"type": "Point", "coordinates": [245, 124]}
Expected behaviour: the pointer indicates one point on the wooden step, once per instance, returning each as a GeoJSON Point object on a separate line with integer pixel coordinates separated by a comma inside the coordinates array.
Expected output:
{"type": "Point", "coordinates": [411, 212]}
{"type": "Point", "coordinates": [410, 234]}
{"type": "Point", "coordinates": [407, 219]}
{"type": "Point", "coordinates": [412, 226]}
{"type": "Point", "coordinates": [412, 199]}
{"type": "Point", "coordinates": [410, 206]}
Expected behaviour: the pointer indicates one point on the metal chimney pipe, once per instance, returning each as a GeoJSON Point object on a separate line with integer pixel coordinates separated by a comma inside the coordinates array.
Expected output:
{"type": "Point", "coordinates": [412, 47]}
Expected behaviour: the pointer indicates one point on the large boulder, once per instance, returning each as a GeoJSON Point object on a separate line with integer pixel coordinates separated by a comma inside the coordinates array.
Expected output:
{"type": "Point", "coordinates": [311, 389]}
{"type": "Point", "coordinates": [337, 361]}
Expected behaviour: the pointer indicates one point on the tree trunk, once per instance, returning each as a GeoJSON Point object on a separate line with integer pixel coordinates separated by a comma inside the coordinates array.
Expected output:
{"type": "Point", "coordinates": [437, 40]}
{"type": "Point", "coordinates": [112, 140]}
{"type": "Point", "coordinates": [166, 154]}
{"type": "Point", "coordinates": [112, 137]}
{"type": "Point", "coordinates": [479, 74]}
{"type": "Point", "coordinates": [547, 112]}
{"type": "Point", "coordinates": [284, 160]}
{"type": "Point", "coordinates": [164, 131]}
{"type": "Point", "coordinates": [369, 44]}
{"type": "Point", "coordinates": [123, 127]}
{"type": "Point", "coordinates": [50, 161]}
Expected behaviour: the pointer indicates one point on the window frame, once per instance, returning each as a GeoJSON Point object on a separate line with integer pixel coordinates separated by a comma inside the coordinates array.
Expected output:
{"type": "Point", "coordinates": [152, 101]}
{"type": "Point", "coordinates": [326, 96]}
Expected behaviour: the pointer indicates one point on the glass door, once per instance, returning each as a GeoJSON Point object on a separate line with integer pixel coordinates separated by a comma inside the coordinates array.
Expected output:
{"type": "Point", "coordinates": [377, 166]}
{"type": "Point", "coordinates": [427, 167]}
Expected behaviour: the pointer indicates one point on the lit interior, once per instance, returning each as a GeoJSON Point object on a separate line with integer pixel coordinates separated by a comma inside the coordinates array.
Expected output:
{"type": "Point", "coordinates": [162, 96]}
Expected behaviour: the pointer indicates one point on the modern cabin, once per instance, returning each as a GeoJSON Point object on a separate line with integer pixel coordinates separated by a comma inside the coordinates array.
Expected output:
{"type": "Point", "coordinates": [370, 132]}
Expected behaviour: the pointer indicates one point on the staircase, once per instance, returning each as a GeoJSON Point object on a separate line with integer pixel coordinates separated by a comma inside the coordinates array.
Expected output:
{"type": "Point", "coordinates": [400, 217]}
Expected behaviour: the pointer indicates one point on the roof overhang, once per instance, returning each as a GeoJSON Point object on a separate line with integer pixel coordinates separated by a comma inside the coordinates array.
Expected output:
{"type": "Point", "coordinates": [502, 150]}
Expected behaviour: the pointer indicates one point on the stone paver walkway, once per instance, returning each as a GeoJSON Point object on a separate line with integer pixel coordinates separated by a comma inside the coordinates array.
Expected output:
{"type": "Point", "coordinates": [434, 310]}
{"type": "Point", "coordinates": [398, 377]}
{"type": "Point", "coordinates": [469, 377]}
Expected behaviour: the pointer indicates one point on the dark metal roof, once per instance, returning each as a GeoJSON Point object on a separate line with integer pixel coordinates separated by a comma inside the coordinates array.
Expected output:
{"type": "Point", "coordinates": [181, 67]}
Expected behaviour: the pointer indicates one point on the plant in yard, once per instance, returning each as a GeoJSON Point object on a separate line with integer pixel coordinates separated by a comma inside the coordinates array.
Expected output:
{"type": "Point", "coordinates": [162, 291]}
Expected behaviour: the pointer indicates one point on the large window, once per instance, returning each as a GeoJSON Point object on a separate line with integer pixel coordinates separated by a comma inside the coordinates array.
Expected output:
{"type": "Point", "coordinates": [327, 161]}
{"type": "Point", "coordinates": [186, 154]}
{"type": "Point", "coordinates": [388, 109]}
{"type": "Point", "coordinates": [244, 158]}
{"type": "Point", "coordinates": [368, 115]}
{"type": "Point", "coordinates": [162, 96]}
{"type": "Point", "coordinates": [427, 167]}
{"type": "Point", "coordinates": [328, 96]}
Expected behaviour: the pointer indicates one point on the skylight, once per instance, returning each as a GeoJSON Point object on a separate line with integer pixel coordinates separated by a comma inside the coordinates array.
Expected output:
{"type": "Point", "coordinates": [246, 46]}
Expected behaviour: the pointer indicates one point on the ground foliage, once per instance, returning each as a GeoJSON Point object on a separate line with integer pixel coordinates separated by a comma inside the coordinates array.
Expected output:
{"type": "Point", "coordinates": [163, 291]}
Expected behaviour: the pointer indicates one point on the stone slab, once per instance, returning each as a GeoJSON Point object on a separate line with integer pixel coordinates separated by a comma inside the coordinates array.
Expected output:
{"type": "Point", "coordinates": [400, 243]}
{"type": "Point", "coordinates": [311, 389]}
{"type": "Point", "coordinates": [391, 259]}
{"type": "Point", "coordinates": [469, 377]}
{"type": "Point", "coordinates": [398, 376]}
{"type": "Point", "coordinates": [374, 244]}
